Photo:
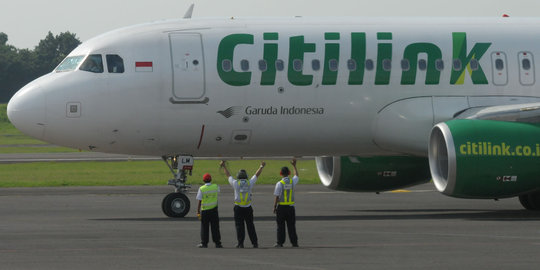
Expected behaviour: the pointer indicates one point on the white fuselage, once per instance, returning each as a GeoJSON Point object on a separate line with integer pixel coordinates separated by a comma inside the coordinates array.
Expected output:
{"type": "Point", "coordinates": [210, 87]}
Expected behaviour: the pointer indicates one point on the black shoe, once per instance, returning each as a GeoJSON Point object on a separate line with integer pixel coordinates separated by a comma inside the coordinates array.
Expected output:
{"type": "Point", "coordinates": [240, 246]}
{"type": "Point", "coordinates": [255, 245]}
{"type": "Point", "coordinates": [219, 246]}
{"type": "Point", "coordinates": [294, 245]}
{"type": "Point", "coordinates": [202, 246]}
{"type": "Point", "coordinates": [277, 245]}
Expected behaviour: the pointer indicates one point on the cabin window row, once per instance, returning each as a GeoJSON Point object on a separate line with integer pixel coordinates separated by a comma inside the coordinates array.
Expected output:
{"type": "Point", "coordinates": [333, 65]}
{"type": "Point", "coordinates": [525, 64]}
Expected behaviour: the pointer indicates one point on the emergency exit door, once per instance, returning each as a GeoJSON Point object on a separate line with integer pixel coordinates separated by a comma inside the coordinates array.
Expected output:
{"type": "Point", "coordinates": [188, 67]}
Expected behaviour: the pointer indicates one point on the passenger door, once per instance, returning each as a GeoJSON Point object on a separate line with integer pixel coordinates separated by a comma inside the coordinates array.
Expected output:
{"type": "Point", "coordinates": [188, 68]}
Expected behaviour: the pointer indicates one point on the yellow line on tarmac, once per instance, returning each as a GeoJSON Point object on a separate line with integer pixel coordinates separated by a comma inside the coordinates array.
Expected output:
{"type": "Point", "coordinates": [399, 191]}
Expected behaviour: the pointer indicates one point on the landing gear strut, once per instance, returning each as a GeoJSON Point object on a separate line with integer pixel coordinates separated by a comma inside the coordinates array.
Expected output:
{"type": "Point", "coordinates": [177, 204]}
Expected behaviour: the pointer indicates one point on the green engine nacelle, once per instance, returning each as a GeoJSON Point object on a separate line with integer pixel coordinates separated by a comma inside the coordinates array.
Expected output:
{"type": "Point", "coordinates": [485, 159]}
{"type": "Point", "coordinates": [372, 174]}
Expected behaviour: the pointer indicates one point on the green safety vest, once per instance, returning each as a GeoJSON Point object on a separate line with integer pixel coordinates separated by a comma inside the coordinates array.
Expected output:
{"type": "Point", "coordinates": [287, 192]}
{"type": "Point", "coordinates": [209, 197]}
{"type": "Point", "coordinates": [243, 192]}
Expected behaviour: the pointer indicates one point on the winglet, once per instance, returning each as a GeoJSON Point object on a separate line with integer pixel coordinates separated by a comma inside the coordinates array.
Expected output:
{"type": "Point", "coordinates": [189, 12]}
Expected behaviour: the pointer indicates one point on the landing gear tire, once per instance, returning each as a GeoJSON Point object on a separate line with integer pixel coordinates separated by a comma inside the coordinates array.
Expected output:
{"type": "Point", "coordinates": [524, 200]}
{"type": "Point", "coordinates": [175, 205]}
{"type": "Point", "coordinates": [531, 201]}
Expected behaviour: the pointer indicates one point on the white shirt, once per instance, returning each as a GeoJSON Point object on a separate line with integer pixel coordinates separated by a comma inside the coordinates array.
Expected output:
{"type": "Point", "coordinates": [199, 193]}
{"type": "Point", "coordinates": [234, 184]}
{"type": "Point", "coordinates": [279, 188]}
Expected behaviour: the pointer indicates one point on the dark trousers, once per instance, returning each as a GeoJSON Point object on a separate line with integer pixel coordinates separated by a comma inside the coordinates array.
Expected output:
{"type": "Point", "coordinates": [286, 214]}
{"type": "Point", "coordinates": [241, 215]}
{"type": "Point", "coordinates": [210, 218]}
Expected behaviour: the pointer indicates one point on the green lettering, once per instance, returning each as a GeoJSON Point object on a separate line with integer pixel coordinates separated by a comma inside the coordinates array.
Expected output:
{"type": "Point", "coordinates": [226, 53]}
{"type": "Point", "coordinates": [297, 49]}
{"type": "Point", "coordinates": [331, 59]}
{"type": "Point", "coordinates": [411, 54]}
{"type": "Point", "coordinates": [384, 59]}
{"type": "Point", "coordinates": [268, 77]}
{"type": "Point", "coordinates": [460, 53]}
{"type": "Point", "coordinates": [358, 55]}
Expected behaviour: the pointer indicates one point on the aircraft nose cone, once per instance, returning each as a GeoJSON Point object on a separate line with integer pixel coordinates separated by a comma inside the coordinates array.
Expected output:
{"type": "Point", "coordinates": [26, 111]}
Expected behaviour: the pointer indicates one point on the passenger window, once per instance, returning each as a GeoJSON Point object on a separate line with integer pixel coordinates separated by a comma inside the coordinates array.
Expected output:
{"type": "Point", "coordinates": [499, 64]}
{"type": "Point", "coordinates": [93, 63]}
{"type": "Point", "coordinates": [526, 64]}
{"type": "Point", "coordinates": [439, 64]}
{"type": "Point", "coordinates": [316, 64]}
{"type": "Point", "coordinates": [387, 64]}
{"type": "Point", "coordinates": [115, 63]}
{"type": "Point", "coordinates": [297, 65]}
{"type": "Point", "coordinates": [226, 65]}
{"type": "Point", "coordinates": [351, 64]}
{"type": "Point", "coordinates": [457, 64]}
{"type": "Point", "coordinates": [262, 65]}
{"type": "Point", "coordinates": [280, 65]}
{"type": "Point", "coordinates": [405, 65]}
{"type": "Point", "coordinates": [244, 65]}
{"type": "Point", "coordinates": [526, 68]}
{"type": "Point", "coordinates": [369, 64]}
{"type": "Point", "coordinates": [333, 63]}
{"type": "Point", "coordinates": [422, 64]}
{"type": "Point", "coordinates": [474, 64]}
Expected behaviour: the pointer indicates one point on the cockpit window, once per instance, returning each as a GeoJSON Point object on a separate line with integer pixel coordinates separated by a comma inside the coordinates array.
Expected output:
{"type": "Point", "coordinates": [93, 63]}
{"type": "Point", "coordinates": [115, 63]}
{"type": "Point", "coordinates": [70, 63]}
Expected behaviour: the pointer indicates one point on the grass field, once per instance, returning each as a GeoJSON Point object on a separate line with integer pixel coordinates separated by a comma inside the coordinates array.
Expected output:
{"type": "Point", "coordinates": [133, 173]}
{"type": "Point", "coordinates": [126, 173]}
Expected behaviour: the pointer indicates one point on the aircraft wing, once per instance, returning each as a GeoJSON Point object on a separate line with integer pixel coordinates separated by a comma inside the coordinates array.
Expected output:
{"type": "Point", "coordinates": [524, 113]}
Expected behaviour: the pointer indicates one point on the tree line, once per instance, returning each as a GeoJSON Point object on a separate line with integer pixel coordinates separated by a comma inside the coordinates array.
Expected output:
{"type": "Point", "coordinates": [20, 66]}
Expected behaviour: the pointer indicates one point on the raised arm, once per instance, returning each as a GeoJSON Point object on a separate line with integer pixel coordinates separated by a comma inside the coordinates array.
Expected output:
{"type": "Point", "coordinates": [259, 171]}
{"type": "Point", "coordinates": [224, 166]}
{"type": "Point", "coordinates": [293, 162]}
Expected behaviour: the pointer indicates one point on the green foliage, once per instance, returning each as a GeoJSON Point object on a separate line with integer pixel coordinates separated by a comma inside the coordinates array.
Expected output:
{"type": "Point", "coordinates": [20, 66]}
{"type": "Point", "coordinates": [3, 114]}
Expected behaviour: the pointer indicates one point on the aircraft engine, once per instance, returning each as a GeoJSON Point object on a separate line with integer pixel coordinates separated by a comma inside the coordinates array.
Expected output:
{"type": "Point", "coordinates": [372, 174]}
{"type": "Point", "coordinates": [486, 159]}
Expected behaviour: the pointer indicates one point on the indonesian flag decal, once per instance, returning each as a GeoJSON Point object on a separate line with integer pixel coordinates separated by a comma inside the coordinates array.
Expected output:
{"type": "Point", "coordinates": [147, 66]}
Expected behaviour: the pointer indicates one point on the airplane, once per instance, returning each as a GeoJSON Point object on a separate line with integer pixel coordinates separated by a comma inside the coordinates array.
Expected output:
{"type": "Point", "coordinates": [383, 103]}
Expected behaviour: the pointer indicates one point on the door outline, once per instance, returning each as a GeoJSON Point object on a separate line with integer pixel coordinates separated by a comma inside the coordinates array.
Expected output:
{"type": "Point", "coordinates": [192, 61]}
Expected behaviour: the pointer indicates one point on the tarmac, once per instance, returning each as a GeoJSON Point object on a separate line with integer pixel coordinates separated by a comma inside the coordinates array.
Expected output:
{"type": "Point", "coordinates": [124, 228]}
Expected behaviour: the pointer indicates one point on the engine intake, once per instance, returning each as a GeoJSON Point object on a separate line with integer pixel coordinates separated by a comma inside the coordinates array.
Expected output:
{"type": "Point", "coordinates": [485, 159]}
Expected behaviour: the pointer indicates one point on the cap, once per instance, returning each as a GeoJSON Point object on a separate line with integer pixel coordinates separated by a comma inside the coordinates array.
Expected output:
{"type": "Point", "coordinates": [242, 174]}
{"type": "Point", "coordinates": [207, 177]}
{"type": "Point", "coordinates": [285, 171]}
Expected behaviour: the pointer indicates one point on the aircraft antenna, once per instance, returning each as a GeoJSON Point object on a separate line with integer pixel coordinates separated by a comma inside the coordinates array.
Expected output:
{"type": "Point", "coordinates": [189, 12]}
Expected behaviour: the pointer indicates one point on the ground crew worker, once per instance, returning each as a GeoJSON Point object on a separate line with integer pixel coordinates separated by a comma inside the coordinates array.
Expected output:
{"type": "Point", "coordinates": [284, 206]}
{"type": "Point", "coordinates": [208, 202]}
{"type": "Point", "coordinates": [243, 212]}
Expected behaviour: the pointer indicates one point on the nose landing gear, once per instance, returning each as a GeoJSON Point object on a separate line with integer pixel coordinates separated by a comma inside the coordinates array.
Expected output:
{"type": "Point", "coordinates": [177, 204]}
